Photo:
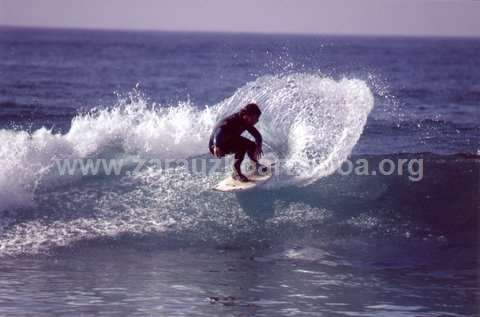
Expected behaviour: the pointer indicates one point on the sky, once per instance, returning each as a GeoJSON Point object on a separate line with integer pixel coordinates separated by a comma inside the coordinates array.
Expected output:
{"type": "Point", "coordinates": [352, 17]}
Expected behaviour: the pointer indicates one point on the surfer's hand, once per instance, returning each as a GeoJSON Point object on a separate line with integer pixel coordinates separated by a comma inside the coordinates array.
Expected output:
{"type": "Point", "coordinates": [217, 152]}
{"type": "Point", "coordinates": [258, 152]}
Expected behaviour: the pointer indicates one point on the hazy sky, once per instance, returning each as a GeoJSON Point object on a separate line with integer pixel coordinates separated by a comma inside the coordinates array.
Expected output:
{"type": "Point", "coordinates": [385, 17]}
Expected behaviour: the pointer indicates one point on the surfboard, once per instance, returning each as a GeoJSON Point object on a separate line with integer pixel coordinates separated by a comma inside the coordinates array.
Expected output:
{"type": "Point", "coordinates": [231, 185]}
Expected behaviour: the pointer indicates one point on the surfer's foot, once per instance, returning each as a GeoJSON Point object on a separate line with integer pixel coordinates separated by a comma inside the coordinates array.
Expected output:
{"type": "Point", "coordinates": [240, 177]}
{"type": "Point", "coordinates": [259, 169]}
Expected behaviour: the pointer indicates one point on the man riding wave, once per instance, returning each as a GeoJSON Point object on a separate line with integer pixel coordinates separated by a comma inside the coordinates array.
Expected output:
{"type": "Point", "coordinates": [227, 138]}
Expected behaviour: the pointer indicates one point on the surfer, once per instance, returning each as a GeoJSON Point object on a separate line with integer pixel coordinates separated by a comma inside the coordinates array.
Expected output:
{"type": "Point", "coordinates": [227, 138]}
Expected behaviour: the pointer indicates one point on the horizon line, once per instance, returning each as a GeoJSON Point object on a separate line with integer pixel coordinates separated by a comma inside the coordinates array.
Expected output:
{"type": "Point", "coordinates": [108, 29]}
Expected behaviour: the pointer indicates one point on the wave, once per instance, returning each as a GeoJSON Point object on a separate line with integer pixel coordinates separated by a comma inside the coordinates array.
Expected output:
{"type": "Point", "coordinates": [310, 121]}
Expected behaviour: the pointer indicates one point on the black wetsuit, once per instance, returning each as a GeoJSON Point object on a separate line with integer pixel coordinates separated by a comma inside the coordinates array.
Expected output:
{"type": "Point", "coordinates": [227, 136]}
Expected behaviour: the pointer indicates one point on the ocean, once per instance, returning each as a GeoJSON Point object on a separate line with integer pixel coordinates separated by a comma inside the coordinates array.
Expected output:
{"type": "Point", "coordinates": [372, 211]}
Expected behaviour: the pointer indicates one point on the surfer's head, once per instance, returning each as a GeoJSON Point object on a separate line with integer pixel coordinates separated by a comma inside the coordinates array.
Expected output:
{"type": "Point", "coordinates": [250, 113]}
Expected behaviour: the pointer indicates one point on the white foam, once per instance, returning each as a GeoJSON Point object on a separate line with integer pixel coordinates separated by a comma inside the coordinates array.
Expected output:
{"type": "Point", "coordinates": [24, 160]}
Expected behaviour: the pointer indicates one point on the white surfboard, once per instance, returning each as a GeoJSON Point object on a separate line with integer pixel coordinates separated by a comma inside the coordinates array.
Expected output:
{"type": "Point", "coordinates": [231, 185]}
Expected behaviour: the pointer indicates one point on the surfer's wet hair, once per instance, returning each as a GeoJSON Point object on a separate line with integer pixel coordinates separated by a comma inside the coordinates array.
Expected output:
{"type": "Point", "coordinates": [251, 109]}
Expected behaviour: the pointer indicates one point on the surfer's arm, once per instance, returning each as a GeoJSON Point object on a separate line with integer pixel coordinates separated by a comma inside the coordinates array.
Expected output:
{"type": "Point", "coordinates": [254, 132]}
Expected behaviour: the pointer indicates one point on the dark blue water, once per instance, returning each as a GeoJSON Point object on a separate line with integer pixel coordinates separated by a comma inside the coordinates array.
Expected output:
{"type": "Point", "coordinates": [315, 242]}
